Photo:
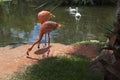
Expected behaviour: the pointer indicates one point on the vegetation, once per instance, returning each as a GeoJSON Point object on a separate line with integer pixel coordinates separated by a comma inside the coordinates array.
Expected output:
{"type": "Point", "coordinates": [99, 44]}
{"type": "Point", "coordinates": [67, 2]}
{"type": "Point", "coordinates": [59, 68]}
{"type": "Point", "coordinates": [4, 0]}
{"type": "Point", "coordinates": [90, 42]}
{"type": "Point", "coordinates": [89, 2]}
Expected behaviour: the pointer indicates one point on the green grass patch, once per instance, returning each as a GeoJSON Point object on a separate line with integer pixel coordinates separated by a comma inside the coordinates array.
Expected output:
{"type": "Point", "coordinates": [99, 44]}
{"type": "Point", "coordinates": [95, 42]}
{"type": "Point", "coordinates": [59, 68]}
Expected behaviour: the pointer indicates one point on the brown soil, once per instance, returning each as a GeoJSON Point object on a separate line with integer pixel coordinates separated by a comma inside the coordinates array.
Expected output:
{"type": "Point", "coordinates": [12, 60]}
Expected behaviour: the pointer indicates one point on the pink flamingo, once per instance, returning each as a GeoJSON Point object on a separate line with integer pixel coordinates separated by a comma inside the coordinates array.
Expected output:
{"type": "Point", "coordinates": [46, 28]}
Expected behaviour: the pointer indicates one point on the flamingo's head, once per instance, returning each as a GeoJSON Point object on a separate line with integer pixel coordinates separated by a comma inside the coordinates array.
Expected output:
{"type": "Point", "coordinates": [44, 16]}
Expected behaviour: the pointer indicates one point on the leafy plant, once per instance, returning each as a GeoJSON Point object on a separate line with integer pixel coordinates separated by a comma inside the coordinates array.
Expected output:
{"type": "Point", "coordinates": [59, 68]}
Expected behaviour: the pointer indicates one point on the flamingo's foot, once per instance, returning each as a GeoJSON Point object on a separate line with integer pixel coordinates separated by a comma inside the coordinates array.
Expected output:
{"type": "Point", "coordinates": [46, 54]}
{"type": "Point", "coordinates": [44, 46]}
{"type": "Point", "coordinates": [38, 46]}
{"type": "Point", "coordinates": [27, 54]}
{"type": "Point", "coordinates": [29, 49]}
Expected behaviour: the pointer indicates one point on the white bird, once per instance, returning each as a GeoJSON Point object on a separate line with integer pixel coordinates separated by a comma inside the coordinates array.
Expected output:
{"type": "Point", "coordinates": [73, 10]}
{"type": "Point", "coordinates": [77, 16]}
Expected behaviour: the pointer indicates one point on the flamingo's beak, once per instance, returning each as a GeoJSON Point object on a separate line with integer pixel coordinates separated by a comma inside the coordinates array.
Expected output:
{"type": "Point", "coordinates": [52, 15]}
{"type": "Point", "coordinates": [60, 25]}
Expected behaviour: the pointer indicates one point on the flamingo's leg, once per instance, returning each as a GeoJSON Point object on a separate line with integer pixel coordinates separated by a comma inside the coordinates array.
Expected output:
{"type": "Point", "coordinates": [45, 40]}
{"type": "Point", "coordinates": [39, 42]}
{"type": "Point", "coordinates": [29, 49]}
{"type": "Point", "coordinates": [40, 38]}
{"type": "Point", "coordinates": [48, 39]}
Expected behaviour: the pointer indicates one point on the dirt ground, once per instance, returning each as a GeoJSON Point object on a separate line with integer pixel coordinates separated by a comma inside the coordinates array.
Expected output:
{"type": "Point", "coordinates": [13, 59]}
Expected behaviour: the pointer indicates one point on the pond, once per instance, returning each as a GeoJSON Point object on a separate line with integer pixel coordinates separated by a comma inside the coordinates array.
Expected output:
{"type": "Point", "coordinates": [19, 24]}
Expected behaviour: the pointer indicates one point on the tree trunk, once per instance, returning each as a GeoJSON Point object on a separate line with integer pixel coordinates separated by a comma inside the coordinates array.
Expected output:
{"type": "Point", "coordinates": [110, 59]}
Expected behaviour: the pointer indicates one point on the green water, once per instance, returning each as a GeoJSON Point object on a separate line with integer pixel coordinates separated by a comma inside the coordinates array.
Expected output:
{"type": "Point", "coordinates": [19, 24]}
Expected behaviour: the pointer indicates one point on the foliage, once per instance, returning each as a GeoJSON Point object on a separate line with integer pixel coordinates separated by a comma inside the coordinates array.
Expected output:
{"type": "Point", "coordinates": [99, 44]}
{"type": "Point", "coordinates": [59, 68]}
{"type": "Point", "coordinates": [107, 29]}
{"type": "Point", "coordinates": [68, 2]}
{"type": "Point", "coordinates": [85, 2]}
{"type": "Point", "coordinates": [4, 0]}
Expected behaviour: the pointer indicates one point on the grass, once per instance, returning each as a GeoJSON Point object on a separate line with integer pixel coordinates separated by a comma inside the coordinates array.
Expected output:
{"type": "Point", "coordinates": [90, 42]}
{"type": "Point", "coordinates": [99, 44]}
{"type": "Point", "coordinates": [59, 68]}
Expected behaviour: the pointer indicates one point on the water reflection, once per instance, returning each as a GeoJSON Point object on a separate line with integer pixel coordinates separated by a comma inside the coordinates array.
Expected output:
{"type": "Point", "coordinates": [88, 27]}
{"type": "Point", "coordinates": [15, 23]}
{"type": "Point", "coordinates": [18, 23]}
